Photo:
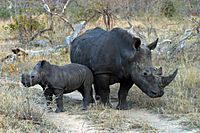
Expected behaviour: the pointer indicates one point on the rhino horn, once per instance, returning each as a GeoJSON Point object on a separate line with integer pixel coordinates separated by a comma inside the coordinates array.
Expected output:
{"type": "Point", "coordinates": [159, 71]}
{"type": "Point", "coordinates": [165, 80]}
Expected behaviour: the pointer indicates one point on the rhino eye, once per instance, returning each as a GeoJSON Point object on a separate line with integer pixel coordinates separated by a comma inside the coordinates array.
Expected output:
{"type": "Point", "coordinates": [145, 74]}
{"type": "Point", "coordinates": [32, 77]}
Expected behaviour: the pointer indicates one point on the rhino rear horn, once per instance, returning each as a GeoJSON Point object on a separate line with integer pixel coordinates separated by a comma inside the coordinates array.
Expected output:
{"type": "Point", "coordinates": [165, 80]}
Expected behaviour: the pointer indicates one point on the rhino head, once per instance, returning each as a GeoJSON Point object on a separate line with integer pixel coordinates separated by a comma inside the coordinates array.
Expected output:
{"type": "Point", "coordinates": [36, 75]}
{"type": "Point", "coordinates": [148, 78]}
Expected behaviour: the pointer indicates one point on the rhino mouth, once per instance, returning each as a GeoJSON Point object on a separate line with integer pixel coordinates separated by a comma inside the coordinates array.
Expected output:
{"type": "Point", "coordinates": [153, 94]}
{"type": "Point", "coordinates": [25, 80]}
{"type": "Point", "coordinates": [25, 84]}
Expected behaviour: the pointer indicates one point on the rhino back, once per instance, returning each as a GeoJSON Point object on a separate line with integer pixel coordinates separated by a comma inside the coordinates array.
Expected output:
{"type": "Point", "coordinates": [70, 76]}
{"type": "Point", "coordinates": [101, 52]}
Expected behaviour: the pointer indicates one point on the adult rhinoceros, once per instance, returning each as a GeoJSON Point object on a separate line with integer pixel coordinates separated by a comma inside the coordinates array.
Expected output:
{"type": "Point", "coordinates": [117, 57]}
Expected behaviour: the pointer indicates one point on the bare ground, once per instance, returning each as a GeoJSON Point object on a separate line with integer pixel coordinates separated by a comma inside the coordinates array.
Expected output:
{"type": "Point", "coordinates": [137, 120]}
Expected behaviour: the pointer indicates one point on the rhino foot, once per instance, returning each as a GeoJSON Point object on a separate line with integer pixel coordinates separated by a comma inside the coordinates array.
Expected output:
{"type": "Point", "coordinates": [84, 108]}
{"type": "Point", "coordinates": [58, 110]}
{"type": "Point", "coordinates": [97, 97]}
{"type": "Point", "coordinates": [122, 106]}
{"type": "Point", "coordinates": [92, 100]}
{"type": "Point", "coordinates": [107, 105]}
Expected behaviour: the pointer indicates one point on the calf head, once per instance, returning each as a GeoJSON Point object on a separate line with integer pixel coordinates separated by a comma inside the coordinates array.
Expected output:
{"type": "Point", "coordinates": [148, 78]}
{"type": "Point", "coordinates": [36, 75]}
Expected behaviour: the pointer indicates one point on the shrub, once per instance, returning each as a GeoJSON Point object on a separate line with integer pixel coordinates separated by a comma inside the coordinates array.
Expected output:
{"type": "Point", "coordinates": [4, 13]}
{"type": "Point", "coordinates": [24, 23]}
{"type": "Point", "coordinates": [168, 9]}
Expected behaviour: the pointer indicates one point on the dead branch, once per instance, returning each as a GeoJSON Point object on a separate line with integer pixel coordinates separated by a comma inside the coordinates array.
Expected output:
{"type": "Point", "coordinates": [186, 37]}
{"type": "Point", "coordinates": [47, 9]}
{"type": "Point", "coordinates": [46, 37]}
{"type": "Point", "coordinates": [68, 39]}
{"type": "Point", "coordinates": [165, 41]}
{"type": "Point", "coordinates": [39, 33]}
{"type": "Point", "coordinates": [63, 10]}
{"type": "Point", "coordinates": [64, 19]}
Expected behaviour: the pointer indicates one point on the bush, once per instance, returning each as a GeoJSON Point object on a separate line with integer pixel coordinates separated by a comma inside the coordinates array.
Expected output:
{"type": "Point", "coordinates": [24, 23]}
{"type": "Point", "coordinates": [4, 13]}
{"type": "Point", "coordinates": [168, 9]}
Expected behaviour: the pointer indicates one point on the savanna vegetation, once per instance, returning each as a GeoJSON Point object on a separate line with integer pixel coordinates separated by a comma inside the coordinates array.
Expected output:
{"type": "Point", "coordinates": [41, 25]}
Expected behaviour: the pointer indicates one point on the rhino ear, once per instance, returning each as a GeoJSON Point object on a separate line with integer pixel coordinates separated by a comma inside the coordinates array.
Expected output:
{"type": "Point", "coordinates": [153, 45]}
{"type": "Point", "coordinates": [43, 62]}
{"type": "Point", "coordinates": [136, 42]}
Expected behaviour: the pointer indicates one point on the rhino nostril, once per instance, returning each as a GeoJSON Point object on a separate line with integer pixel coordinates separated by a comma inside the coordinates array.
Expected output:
{"type": "Point", "coordinates": [145, 74]}
{"type": "Point", "coordinates": [32, 77]}
{"type": "Point", "coordinates": [154, 93]}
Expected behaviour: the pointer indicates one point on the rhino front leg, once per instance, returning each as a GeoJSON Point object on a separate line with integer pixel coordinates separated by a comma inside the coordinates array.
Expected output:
{"type": "Point", "coordinates": [48, 93]}
{"type": "Point", "coordinates": [122, 94]}
{"type": "Point", "coordinates": [102, 83]}
{"type": "Point", "coordinates": [59, 100]}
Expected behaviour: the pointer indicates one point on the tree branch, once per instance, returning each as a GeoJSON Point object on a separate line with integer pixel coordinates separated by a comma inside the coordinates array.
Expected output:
{"type": "Point", "coordinates": [39, 33]}
{"type": "Point", "coordinates": [63, 10]}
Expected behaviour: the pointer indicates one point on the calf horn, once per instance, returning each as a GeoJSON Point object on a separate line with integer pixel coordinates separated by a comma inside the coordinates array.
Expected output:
{"type": "Point", "coordinates": [166, 80]}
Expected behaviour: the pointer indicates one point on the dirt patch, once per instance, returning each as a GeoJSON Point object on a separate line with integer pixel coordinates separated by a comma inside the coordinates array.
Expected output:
{"type": "Point", "coordinates": [70, 123]}
{"type": "Point", "coordinates": [134, 120]}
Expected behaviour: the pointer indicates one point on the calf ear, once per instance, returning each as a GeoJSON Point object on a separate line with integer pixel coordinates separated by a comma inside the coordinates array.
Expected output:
{"type": "Point", "coordinates": [153, 45]}
{"type": "Point", "coordinates": [136, 42]}
{"type": "Point", "coordinates": [43, 62]}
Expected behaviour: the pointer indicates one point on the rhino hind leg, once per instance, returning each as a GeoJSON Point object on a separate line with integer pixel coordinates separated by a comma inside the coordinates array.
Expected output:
{"type": "Point", "coordinates": [102, 83]}
{"type": "Point", "coordinates": [122, 94]}
{"type": "Point", "coordinates": [81, 90]}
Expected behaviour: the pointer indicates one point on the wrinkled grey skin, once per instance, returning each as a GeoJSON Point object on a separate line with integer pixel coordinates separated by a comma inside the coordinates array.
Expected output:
{"type": "Point", "coordinates": [59, 80]}
{"type": "Point", "coordinates": [117, 57]}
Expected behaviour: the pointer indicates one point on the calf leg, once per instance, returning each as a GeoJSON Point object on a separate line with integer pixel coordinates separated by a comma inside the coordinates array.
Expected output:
{"type": "Point", "coordinates": [59, 100]}
{"type": "Point", "coordinates": [122, 94]}
{"type": "Point", "coordinates": [48, 93]}
{"type": "Point", "coordinates": [87, 97]}
{"type": "Point", "coordinates": [81, 90]}
{"type": "Point", "coordinates": [102, 83]}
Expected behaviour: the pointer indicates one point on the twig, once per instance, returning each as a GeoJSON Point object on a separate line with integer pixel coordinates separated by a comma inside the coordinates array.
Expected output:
{"type": "Point", "coordinates": [165, 41]}
{"type": "Point", "coordinates": [186, 37]}
{"type": "Point", "coordinates": [63, 10]}
{"type": "Point", "coordinates": [64, 19]}
{"type": "Point", "coordinates": [39, 33]}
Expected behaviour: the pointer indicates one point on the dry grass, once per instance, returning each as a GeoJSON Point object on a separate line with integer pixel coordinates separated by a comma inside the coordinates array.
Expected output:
{"type": "Point", "coordinates": [22, 110]}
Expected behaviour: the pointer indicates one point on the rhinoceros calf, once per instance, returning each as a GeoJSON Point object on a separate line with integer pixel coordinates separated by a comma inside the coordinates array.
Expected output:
{"type": "Point", "coordinates": [58, 80]}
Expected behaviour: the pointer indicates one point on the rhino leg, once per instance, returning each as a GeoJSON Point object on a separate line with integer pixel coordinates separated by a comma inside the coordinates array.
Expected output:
{"type": "Point", "coordinates": [59, 100]}
{"type": "Point", "coordinates": [97, 95]}
{"type": "Point", "coordinates": [122, 94]}
{"type": "Point", "coordinates": [81, 90]}
{"type": "Point", "coordinates": [48, 93]}
{"type": "Point", "coordinates": [102, 83]}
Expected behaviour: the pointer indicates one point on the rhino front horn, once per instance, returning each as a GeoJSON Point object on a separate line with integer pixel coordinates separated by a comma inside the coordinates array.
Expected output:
{"type": "Point", "coordinates": [166, 80]}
